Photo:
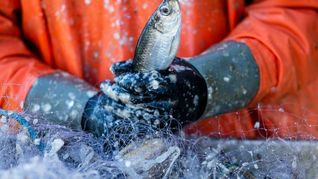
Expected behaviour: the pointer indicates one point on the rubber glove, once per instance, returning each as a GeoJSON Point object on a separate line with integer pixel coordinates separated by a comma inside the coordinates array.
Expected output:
{"type": "Point", "coordinates": [177, 93]}
{"type": "Point", "coordinates": [223, 79]}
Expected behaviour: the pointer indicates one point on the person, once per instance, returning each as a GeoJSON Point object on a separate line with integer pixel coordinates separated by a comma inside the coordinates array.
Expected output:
{"type": "Point", "coordinates": [252, 72]}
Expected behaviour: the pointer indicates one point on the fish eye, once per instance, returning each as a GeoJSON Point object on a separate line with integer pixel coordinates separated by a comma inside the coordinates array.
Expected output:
{"type": "Point", "coordinates": [164, 10]}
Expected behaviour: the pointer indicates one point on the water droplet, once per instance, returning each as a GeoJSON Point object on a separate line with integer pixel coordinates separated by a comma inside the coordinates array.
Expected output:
{"type": "Point", "coordinates": [35, 121]}
{"type": "Point", "coordinates": [128, 163]}
{"type": "Point", "coordinates": [257, 125]}
{"type": "Point", "coordinates": [226, 79]}
{"type": "Point", "coordinates": [87, 2]}
{"type": "Point", "coordinates": [281, 110]}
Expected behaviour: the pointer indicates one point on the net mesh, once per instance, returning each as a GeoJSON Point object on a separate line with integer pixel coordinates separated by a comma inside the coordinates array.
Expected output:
{"type": "Point", "coordinates": [160, 154]}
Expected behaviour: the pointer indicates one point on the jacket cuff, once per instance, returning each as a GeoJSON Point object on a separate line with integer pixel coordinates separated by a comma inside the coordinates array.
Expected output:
{"type": "Point", "coordinates": [59, 98]}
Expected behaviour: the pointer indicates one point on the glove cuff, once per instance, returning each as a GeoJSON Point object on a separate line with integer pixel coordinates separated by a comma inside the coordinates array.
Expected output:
{"type": "Point", "coordinates": [231, 75]}
{"type": "Point", "coordinates": [94, 115]}
{"type": "Point", "coordinates": [191, 91]}
{"type": "Point", "coordinates": [59, 98]}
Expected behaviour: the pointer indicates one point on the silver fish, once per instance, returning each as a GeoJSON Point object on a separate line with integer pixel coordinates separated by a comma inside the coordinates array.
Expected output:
{"type": "Point", "coordinates": [159, 42]}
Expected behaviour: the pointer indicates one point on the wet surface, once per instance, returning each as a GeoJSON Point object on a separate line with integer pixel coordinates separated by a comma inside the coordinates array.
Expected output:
{"type": "Point", "coordinates": [80, 155]}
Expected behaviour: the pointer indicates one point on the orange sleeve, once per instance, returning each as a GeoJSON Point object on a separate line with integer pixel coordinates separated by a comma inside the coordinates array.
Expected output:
{"type": "Point", "coordinates": [283, 37]}
{"type": "Point", "coordinates": [19, 67]}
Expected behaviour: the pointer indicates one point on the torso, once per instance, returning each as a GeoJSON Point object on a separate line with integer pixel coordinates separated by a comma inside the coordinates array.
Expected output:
{"type": "Point", "coordinates": [84, 37]}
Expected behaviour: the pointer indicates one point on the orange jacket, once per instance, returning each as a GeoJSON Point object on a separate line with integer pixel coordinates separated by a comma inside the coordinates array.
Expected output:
{"type": "Point", "coordinates": [84, 37]}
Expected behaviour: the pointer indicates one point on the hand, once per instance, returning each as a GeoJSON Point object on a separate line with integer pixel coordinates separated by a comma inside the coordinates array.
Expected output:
{"type": "Point", "coordinates": [177, 93]}
{"type": "Point", "coordinates": [119, 123]}
{"type": "Point", "coordinates": [223, 79]}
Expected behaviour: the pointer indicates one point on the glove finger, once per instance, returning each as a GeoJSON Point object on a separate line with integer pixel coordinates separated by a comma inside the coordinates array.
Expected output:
{"type": "Point", "coordinates": [116, 93]}
{"type": "Point", "coordinates": [132, 82]}
{"type": "Point", "coordinates": [135, 114]}
{"type": "Point", "coordinates": [121, 110]}
{"type": "Point", "coordinates": [150, 82]}
{"type": "Point", "coordinates": [116, 108]}
{"type": "Point", "coordinates": [120, 68]}
{"type": "Point", "coordinates": [166, 106]}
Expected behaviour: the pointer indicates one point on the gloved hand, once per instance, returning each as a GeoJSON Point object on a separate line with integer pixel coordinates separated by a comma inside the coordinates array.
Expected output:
{"type": "Point", "coordinates": [65, 100]}
{"type": "Point", "coordinates": [115, 122]}
{"type": "Point", "coordinates": [177, 93]}
{"type": "Point", "coordinates": [223, 79]}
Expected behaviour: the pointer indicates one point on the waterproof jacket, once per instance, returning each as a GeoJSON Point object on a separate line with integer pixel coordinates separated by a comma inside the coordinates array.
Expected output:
{"type": "Point", "coordinates": [84, 37]}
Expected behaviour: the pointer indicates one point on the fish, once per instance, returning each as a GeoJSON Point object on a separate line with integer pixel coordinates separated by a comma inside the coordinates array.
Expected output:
{"type": "Point", "coordinates": [159, 41]}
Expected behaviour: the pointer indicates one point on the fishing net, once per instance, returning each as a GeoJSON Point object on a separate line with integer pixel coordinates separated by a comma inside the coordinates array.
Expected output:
{"type": "Point", "coordinates": [43, 150]}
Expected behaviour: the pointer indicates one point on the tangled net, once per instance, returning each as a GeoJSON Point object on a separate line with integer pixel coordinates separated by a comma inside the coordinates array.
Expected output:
{"type": "Point", "coordinates": [42, 150]}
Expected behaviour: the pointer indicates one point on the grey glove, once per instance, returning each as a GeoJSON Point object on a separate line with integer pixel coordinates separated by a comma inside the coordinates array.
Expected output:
{"type": "Point", "coordinates": [59, 98]}
{"type": "Point", "coordinates": [231, 75]}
